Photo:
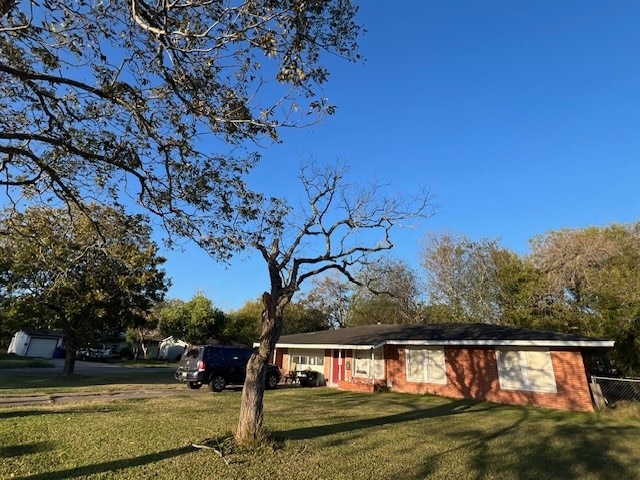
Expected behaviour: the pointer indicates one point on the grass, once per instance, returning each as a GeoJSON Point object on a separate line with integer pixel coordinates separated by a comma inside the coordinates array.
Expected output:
{"type": "Point", "coordinates": [145, 363]}
{"type": "Point", "coordinates": [10, 360]}
{"type": "Point", "coordinates": [321, 433]}
{"type": "Point", "coordinates": [134, 379]}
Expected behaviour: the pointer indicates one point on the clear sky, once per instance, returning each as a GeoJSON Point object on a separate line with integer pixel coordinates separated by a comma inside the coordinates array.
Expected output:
{"type": "Point", "coordinates": [522, 117]}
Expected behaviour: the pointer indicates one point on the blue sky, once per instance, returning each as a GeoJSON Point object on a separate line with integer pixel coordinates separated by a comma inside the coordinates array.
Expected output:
{"type": "Point", "coordinates": [522, 117]}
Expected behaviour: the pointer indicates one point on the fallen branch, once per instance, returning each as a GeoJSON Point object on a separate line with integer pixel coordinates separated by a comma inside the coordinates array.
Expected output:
{"type": "Point", "coordinates": [207, 447]}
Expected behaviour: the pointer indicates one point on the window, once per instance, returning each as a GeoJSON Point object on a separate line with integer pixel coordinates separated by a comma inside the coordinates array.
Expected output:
{"type": "Point", "coordinates": [366, 366]}
{"type": "Point", "coordinates": [307, 360]}
{"type": "Point", "coordinates": [529, 370]}
{"type": "Point", "coordinates": [426, 365]}
{"type": "Point", "coordinates": [193, 353]}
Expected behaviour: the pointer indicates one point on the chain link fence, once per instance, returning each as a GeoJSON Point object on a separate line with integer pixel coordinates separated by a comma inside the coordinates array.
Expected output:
{"type": "Point", "coordinates": [608, 391]}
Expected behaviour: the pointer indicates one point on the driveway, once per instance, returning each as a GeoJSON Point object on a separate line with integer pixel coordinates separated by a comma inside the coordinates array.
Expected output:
{"type": "Point", "coordinates": [85, 368]}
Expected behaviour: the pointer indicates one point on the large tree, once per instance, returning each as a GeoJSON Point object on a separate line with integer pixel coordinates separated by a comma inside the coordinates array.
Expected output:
{"type": "Point", "coordinates": [593, 284]}
{"type": "Point", "coordinates": [245, 323]}
{"type": "Point", "coordinates": [389, 294]}
{"type": "Point", "coordinates": [480, 281]}
{"type": "Point", "coordinates": [159, 101]}
{"type": "Point", "coordinates": [62, 273]}
{"type": "Point", "coordinates": [195, 321]}
{"type": "Point", "coordinates": [330, 294]}
{"type": "Point", "coordinates": [337, 228]}
{"type": "Point", "coordinates": [461, 274]}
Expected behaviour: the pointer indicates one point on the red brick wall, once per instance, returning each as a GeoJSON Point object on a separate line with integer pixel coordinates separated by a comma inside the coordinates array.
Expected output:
{"type": "Point", "coordinates": [473, 373]}
{"type": "Point", "coordinates": [356, 386]}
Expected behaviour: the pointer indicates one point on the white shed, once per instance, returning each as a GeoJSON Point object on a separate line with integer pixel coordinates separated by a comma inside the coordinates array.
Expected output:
{"type": "Point", "coordinates": [36, 343]}
{"type": "Point", "coordinates": [171, 348]}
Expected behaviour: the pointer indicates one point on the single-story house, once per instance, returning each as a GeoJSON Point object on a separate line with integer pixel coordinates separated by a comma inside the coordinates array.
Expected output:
{"type": "Point", "coordinates": [36, 343]}
{"type": "Point", "coordinates": [476, 361]}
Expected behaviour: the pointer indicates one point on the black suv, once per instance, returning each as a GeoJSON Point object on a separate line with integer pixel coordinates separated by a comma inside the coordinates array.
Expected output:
{"type": "Point", "coordinates": [219, 366]}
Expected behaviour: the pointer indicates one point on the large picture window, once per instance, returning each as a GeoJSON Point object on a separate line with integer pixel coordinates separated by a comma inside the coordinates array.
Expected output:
{"type": "Point", "coordinates": [426, 365]}
{"type": "Point", "coordinates": [530, 370]}
{"type": "Point", "coordinates": [367, 366]}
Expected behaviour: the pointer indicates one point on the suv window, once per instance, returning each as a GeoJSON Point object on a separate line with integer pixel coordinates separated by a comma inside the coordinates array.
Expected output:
{"type": "Point", "coordinates": [193, 353]}
{"type": "Point", "coordinates": [213, 355]}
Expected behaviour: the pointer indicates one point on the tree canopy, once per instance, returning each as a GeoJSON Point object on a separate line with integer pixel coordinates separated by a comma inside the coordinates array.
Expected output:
{"type": "Point", "coordinates": [388, 293]}
{"type": "Point", "coordinates": [583, 281]}
{"type": "Point", "coordinates": [593, 284]}
{"type": "Point", "coordinates": [196, 321]}
{"type": "Point", "coordinates": [61, 273]}
{"type": "Point", "coordinates": [157, 102]}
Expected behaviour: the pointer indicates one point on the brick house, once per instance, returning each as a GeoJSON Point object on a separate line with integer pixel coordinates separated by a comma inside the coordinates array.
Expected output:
{"type": "Point", "coordinates": [476, 361]}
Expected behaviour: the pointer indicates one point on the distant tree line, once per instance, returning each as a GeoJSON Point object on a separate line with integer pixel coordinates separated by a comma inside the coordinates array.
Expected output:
{"type": "Point", "coordinates": [584, 281]}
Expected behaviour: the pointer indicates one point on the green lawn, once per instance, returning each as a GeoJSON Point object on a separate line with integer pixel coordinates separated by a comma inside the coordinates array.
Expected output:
{"type": "Point", "coordinates": [9, 360]}
{"type": "Point", "coordinates": [321, 434]}
{"type": "Point", "coordinates": [135, 379]}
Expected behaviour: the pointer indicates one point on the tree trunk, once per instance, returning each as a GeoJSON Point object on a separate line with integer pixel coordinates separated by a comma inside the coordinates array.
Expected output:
{"type": "Point", "coordinates": [145, 350]}
{"type": "Point", "coordinates": [70, 354]}
{"type": "Point", "coordinates": [250, 429]}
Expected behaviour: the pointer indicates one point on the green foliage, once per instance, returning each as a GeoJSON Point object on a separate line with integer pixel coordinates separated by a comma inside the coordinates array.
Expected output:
{"type": "Point", "coordinates": [88, 272]}
{"type": "Point", "coordinates": [300, 318]}
{"type": "Point", "coordinates": [10, 360]}
{"type": "Point", "coordinates": [245, 324]}
{"type": "Point", "coordinates": [196, 321]}
{"type": "Point", "coordinates": [593, 277]}
{"type": "Point", "coordinates": [583, 281]}
{"type": "Point", "coordinates": [437, 313]}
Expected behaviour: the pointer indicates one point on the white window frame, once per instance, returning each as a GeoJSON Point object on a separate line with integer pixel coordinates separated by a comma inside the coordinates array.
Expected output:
{"type": "Point", "coordinates": [528, 370]}
{"type": "Point", "coordinates": [425, 365]}
{"type": "Point", "coordinates": [368, 363]}
{"type": "Point", "coordinates": [301, 359]}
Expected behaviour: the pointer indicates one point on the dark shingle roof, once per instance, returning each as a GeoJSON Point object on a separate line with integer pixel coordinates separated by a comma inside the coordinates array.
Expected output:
{"type": "Point", "coordinates": [438, 334]}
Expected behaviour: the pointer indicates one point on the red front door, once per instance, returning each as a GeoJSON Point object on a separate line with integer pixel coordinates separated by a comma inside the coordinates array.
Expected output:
{"type": "Point", "coordinates": [338, 366]}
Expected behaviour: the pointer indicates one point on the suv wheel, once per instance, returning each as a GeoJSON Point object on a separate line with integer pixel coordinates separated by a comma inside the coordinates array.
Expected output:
{"type": "Point", "coordinates": [217, 383]}
{"type": "Point", "coordinates": [272, 380]}
{"type": "Point", "coordinates": [194, 385]}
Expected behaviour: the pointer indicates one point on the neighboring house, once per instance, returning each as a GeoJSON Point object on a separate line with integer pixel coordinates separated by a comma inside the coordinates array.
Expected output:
{"type": "Point", "coordinates": [115, 343]}
{"type": "Point", "coordinates": [36, 343]}
{"type": "Point", "coordinates": [476, 361]}
{"type": "Point", "coordinates": [171, 348]}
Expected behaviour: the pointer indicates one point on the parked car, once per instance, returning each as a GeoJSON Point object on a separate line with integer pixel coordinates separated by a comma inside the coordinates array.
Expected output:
{"type": "Point", "coordinates": [98, 352]}
{"type": "Point", "coordinates": [219, 366]}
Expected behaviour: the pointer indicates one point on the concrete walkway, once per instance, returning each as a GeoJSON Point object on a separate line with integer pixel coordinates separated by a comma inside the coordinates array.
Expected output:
{"type": "Point", "coordinates": [61, 398]}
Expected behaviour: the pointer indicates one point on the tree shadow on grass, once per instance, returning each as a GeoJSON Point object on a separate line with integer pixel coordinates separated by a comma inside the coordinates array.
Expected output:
{"type": "Point", "coordinates": [40, 412]}
{"type": "Point", "coordinates": [111, 466]}
{"type": "Point", "coordinates": [455, 407]}
{"type": "Point", "coordinates": [574, 451]}
{"type": "Point", "coordinates": [134, 375]}
{"type": "Point", "coordinates": [9, 451]}
{"type": "Point", "coordinates": [567, 451]}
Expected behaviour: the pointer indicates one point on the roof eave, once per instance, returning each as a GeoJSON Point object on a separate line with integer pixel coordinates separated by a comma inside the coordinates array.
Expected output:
{"type": "Point", "coordinates": [325, 346]}
{"type": "Point", "coordinates": [449, 343]}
